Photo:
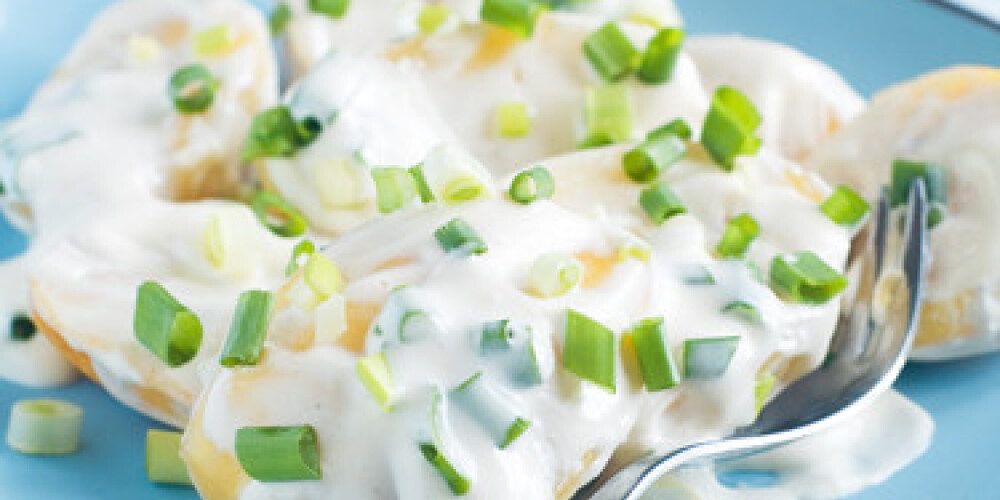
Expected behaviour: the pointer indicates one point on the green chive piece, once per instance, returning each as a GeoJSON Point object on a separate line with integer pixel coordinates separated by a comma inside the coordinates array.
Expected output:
{"type": "Point", "coordinates": [302, 248]}
{"type": "Point", "coordinates": [677, 127]}
{"type": "Point", "coordinates": [647, 161]}
{"type": "Point", "coordinates": [845, 207]}
{"type": "Point", "coordinates": [44, 427]}
{"type": "Point", "coordinates": [417, 325]}
{"type": "Point", "coordinates": [165, 326]}
{"type": "Point", "coordinates": [589, 350]}
{"type": "Point", "coordinates": [660, 202]}
{"type": "Point", "coordinates": [214, 41]}
{"type": "Point", "coordinates": [275, 133]}
{"type": "Point", "coordinates": [657, 366]}
{"type": "Point", "coordinates": [458, 235]}
{"type": "Point", "coordinates": [607, 116]}
{"type": "Point", "coordinates": [513, 120]}
{"type": "Point", "coordinates": [516, 16]}
{"type": "Point", "coordinates": [457, 483]}
{"type": "Point", "coordinates": [22, 328]}
{"type": "Point", "coordinates": [432, 17]}
{"type": "Point", "coordinates": [423, 189]}
{"type": "Point", "coordinates": [516, 429]}
{"type": "Point", "coordinates": [276, 214]}
{"type": "Point", "coordinates": [658, 60]}
{"type": "Point", "coordinates": [376, 376]}
{"type": "Point", "coordinates": [273, 454]}
{"type": "Point", "coordinates": [163, 458]}
{"type": "Point", "coordinates": [730, 127]}
{"type": "Point", "coordinates": [248, 330]}
{"type": "Point", "coordinates": [394, 188]}
{"type": "Point", "coordinates": [708, 358]}
{"type": "Point", "coordinates": [192, 89]}
{"type": "Point", "coordinates": [463, 188]}
{"type": "Point", "coordinates": [555, 274]}
{"type": "Point", "coordinates": [331, 8]}
{"type": "Point", "coordinates": [904, 172]}
{"type": "Point", "coordinates": [740, 232]}
{"type": "Point", "coordinates": [280, 17]}
{"type": "Point", "coordinates": [611, 53]}
{"type": "Point", "coordinates": [490, 409]}
{"type": "Point", "coordinates": [762, 389]}
{"type": "Point", "coordinates": [532, 185]}
{"type": "Point", "coordinates": [322, 276]}
{"type": "Point", "coordinates": [744, 311]}
{"type": "Point", "coordinates": [804, 278]}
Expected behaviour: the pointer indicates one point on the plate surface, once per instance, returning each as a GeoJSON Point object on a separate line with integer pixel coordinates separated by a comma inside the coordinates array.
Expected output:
{"type": "Point", "coordinates": [873, 44]}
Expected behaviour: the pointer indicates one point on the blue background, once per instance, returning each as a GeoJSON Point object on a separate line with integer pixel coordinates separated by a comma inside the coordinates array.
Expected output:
{"type": "Point", "coordinates": [872, 43]}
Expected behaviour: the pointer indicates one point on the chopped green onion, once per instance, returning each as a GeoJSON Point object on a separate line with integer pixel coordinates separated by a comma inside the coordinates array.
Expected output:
{"type": "Point", "coordinates": [531, 185]}
{"type": "Point", "coordinates": [454, 176]}
{"type": "Point", "coordinates": [516, 16]}
{"type": "Point", "coordinates": [805, 278]}
{"type": "Point", "coordinates": [659, 371]}
{"type": "Point", "coordinates": [555, 274]}
{"type": "Point", "coordinates": [22, 328]}
{"type": "Point", "coordinates": [457, 483]}
{"type": "Point", "coordinates": [516, 429]}
{"type": "Point", "coordinates": [660, 202]}
{"type": "Point", "coordinates": [904, 172]}
{"type": "Point", "coordinates": [660, 56]}
{"type": "Point", "coordinates": [44, 427]}
{"type": "Point", "coordinates": [423, 189]}
{"type": "Point", "coordinates": [164, 326]}
{"type": "Point", "coordinates": [417, 325]}
{"type": "Point", "coordinates": [248, 330]}
{"type": "Point", "coordinates": [163, 458]}
{"type": "Point", "coordinates": [638, 250]}
{"type": "Point", "coordinates": [376, 376]}
{"type": "Point", "coordinates": [307, 130]}
{"type": "Point", "coordinates": [432, 17]}
{"type": "Point", "coordinates": [331, 320]}
{"type": "Point", "coordinates": [755, 271]}
{"type": "Point", "coordinates": [394, 188]}
{"type": "Point", "coordinates": [845, 207]}
{"type": "Point", "coordinates": [458, 235]}
{"type": "Point", "coordinates": [273, 454]}
{"type": "Point", "coordinates": [647, 161]}
{"type": "Point", "coordinates": [322, 276]}
{"type": "Point", "coordinates": [214, 41]}
{"type": "Point", "coordinates": [740, 232]}
{"type": "Point", "coordinates": [701, 276]}
{"type": "Point", "coordinates": [730, 127]}
{"type": "Point", "coordinates": [677, 127]}
{"type": "Point", "coordinates": [275, 133]}
{"type": "Point", "coordinates": [462, 189]}
{"type": "Point", "coordinates": [513, 120]}
{"type": "Point", "coordinates": [215, 242]}
{"type": "Point", "coordinates": [744, 311]}
{"type": "Point", "coordinates": [304, 247]}
{"type": "Point", "coordinates": [192, 89]}
{"type": "Point", "coordinates": [607, 116]}
{"type": "Point", "coordinates": [589, 350]}
{"type": "Point", "coordinates": [331, 8]}
{"type": "Point", "coordinates": [278, 215]}
{"type": "Point", "coordinates": [491, 410]}
{"type": "Point", "coordinates": [497, 336]}
{"type": "Point", "coordinates": [708, 358]}
{"type": "Point", "coordinates": [611, 53]}
{"type": "Point", "coordinates": [280, 17]}
{"type": "Point", "coordinates": [762, 389]}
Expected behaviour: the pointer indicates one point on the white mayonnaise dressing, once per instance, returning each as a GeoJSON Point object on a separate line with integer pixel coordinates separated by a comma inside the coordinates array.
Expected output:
{"type": "Point", "coordinates": [802, 100]}
{"type": "Point", "coordinates": [948, 118]}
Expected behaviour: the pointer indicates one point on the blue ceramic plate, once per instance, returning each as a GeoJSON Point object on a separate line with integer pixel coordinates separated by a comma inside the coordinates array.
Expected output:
{"type": "Point", "coordinates": [873, 44]}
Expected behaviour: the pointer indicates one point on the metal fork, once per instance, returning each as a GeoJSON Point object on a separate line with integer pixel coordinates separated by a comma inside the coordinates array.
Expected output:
{"type": "Point", "coordinates": [867, 353]}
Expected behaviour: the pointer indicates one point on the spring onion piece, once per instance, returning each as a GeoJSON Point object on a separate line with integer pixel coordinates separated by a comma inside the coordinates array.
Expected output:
{"type": "Point", "coordinates": [164, 326]}
{"type": "Point", "coordinates": [376, 376]}
{"type": "Point", "coordinates": [730, 127]}
{"type": "Point", "coordinates": [275, 133]}
{"type": "Point", "coordinates": [611, 53]}
{"type": "Point", "coordinates": [248, 330]}
{"type": "Point", "coordinates": [589, 350]}
{"type": "Point", "coordinates": [44, 427]}
{"type": "Point", "coordinates": [278, 215]}
{"type": "Point", "coordinates": [302, 248]}
{"type": "Point", "coordinates": [214, 41]}
{"type": "Point", "coordinates": [331, 8]}
{"type": "Point", "coordinates": [498, 336]}
{"type": "Point", "coordinates": [660, 56]}
{"type": "Point", "coordinates": [638, 250]}
{"type": "Point", "coordinates": [432, 17]}
{"type": "Point", "coordinates": [513, 120]}
{"type": "Point", "coordinates": [458, 235]}
{"type": "Point", "coordinates": [804, 278]}
{"type": "Point", "coordinates": [417, 325]}
{"type": "Point", "coordinates": [555, 274]}
{"type": "Point", "coordinates": [394, 188]}
{"type": "Point", "coordinates": [272, 454]}
{"type": "Point", "coordinates": [192, 89]}
{"type": "Point", "coordinates": [845, 207]}
{"type": "Point", "coordinates": [457, 483]}
{"type": "Point", "coordinates": [699, 277]}
{"type": "Point", "coordinates": [763, 387]}
{"type": "Point", "coordinates": [740, 232]}
{"type": "Point", "coordinates": [660, 202]}
{"type": "Point", "coordinates": [454, 176]}
{"type": "Point", "coordinates": [513, 342]}
{"type": "Point", "coordinates": [307, 130]}
{"type": "Point", "coordinates": [279, 19]}
{"type": "Point", "coordinates": [656, 364]}
{"type": "Point", "coordinates": [516, 16]}
{"type": "Point", "coordinates": [22, 328]}
{"type": "Point", "coordinates": [322, 276]}
{"type": "Point", "coordinates": [708, 358]}
{"type": "Point", "coordinates": [214, 241]}
{"type": "Point", "coordinates": [677, 127]}
{"type": "Point", "coordinates": [490, 409]}
{"type": "Point", "coordinates": [904, 172]}
{"type": "Point", "coordinates": [654, 156]}
{"type": "Point", "coordinates": [744, 311]}
{"type": "Point", "coordinates": [532, 185]}
{"type": "Point", "coordinates": [163, 458]}
{"type": "Point", "coordinates": [607, 116]}
{"type": "Point", "coordinates": [423, 189]}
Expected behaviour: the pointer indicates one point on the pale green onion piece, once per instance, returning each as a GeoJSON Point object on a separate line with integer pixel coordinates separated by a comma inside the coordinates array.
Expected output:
{"type": "Point", "coordinates": [278, 215]}
{"type": "Point", "coordinates": [532, 185]}
{"type": "Point", "coordinates": [457, 483]}
{"type": "Point", "coordinates": [453, 176]}
{"type": "Point", "coordinates": [700, 277]}
{"type": "Point", "coordinates": [461, 189]}
{"type": "Point", "coordinates": [497, 336]}
{"type": "Point", "coordinates": [514, 343]}
{"type": "Point", "coordinates": [302, 248]}
{"type": "Point", "coordinates": [432, 17]}
{"type": "Point", "coordinates": [656, 364]}
{"type": "Point", "coordinates": [490, 409]}
{"type": "Point", "coordinates": [676, 127]}
{"type": "Point", "coordinates": [762, 389]}
{"type": "Point", "coordinates": [660, 56]}
{"type": "Point", "coordinates": [331, 8]}
{"type": "Point", "coordinates": [516, 16]}
{"type": "Point", "coordinates": [740, 232]}
{"type": "Point", "coordinates": [276, 454]}
{"type": "Point", "coordinates": [275, 133]}
{"type": "Point", "coordinates": [248, 329]}
{"type": "Point", "coordinates": [804, 278]}
{"type": "Point", "coordinates": [21, 328]}
{"type": "Point", "coordinates": [377, 378]}
{"type": "Point", "coordinates": [647, 161]}
{"type": "Point", "coordinates": [744, 311]}
{"type": "Point", "coordinates": [611, 53]}
{"type": "Point", "coordinates": [331, 319]}
{"type": "Point", "coordinates": [638, 250]}
{"type": "Point", "coordinates": [279, 19]}
{"type": "Point", "coordinates": [904, 172]}
{"type": "Point", "coordinates": [730, 127]}
{"type": "Point", "coordinates": [589, 350]}
{"type": "Point", "coordinates": [708, 358]}
{"type": "Point", "coordinates": [165, 326]}
{"type": "Point", "coordinates": [192, 89]}
{"type": "Point", "coordinates": [845, 207]}
{"type": "Point", "coordinates": [143, 48]}
{"type": "Point", "coordinates": [513, 120]}
{"type": "Point", "coordinates": [163, 458]}
{"type": "Point", "coordinates": [322, 276]}
{"type": "Point", "coordinates": [417, 325]}
{"type": "Point", "coordinates": [213, 241]}
{"type": "Point", "coordinates": [607, 116]}
{"type": "Point", "coordinates": [44, 427]}
{"type": "Point", "coordinates": [458, 236]}
{"type": "Point", "coordinates": [423, 189]}
{"type": "Point", "coordinates": [660, 202]}
{"type": "Point", "coordinates": [340, 181]}
{"type": "Point", "coordinates": [394, 188]}
{"type": "Point", "coordinates": [215, 41]}
{"type": "Point", "coordinates": [555, 274]}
